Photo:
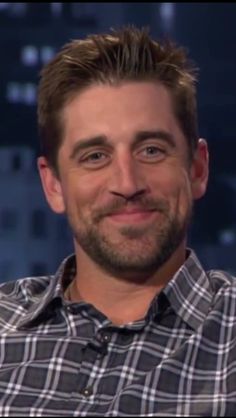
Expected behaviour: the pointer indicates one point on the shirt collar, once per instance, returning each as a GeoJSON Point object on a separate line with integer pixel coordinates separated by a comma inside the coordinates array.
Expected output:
{"type": "Point", "coordinates": [189, 292]}
{"type": "Point", "coordinates": [53, 294]}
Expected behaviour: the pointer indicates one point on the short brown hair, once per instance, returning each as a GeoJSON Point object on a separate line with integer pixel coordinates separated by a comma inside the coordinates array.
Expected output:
{"type": "Point", "coordinates": [126, 54]}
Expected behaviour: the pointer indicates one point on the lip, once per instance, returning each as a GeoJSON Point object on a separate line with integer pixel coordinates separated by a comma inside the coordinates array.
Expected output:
{"type": "Point", "coordinates": [132, 216]}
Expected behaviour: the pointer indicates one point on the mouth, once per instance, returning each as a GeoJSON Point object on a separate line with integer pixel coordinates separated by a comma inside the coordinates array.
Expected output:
{"type": "Point", "coordinates": [132, 216]}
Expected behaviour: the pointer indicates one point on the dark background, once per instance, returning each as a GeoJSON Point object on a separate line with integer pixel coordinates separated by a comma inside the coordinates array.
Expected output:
{"type": "Point", "coordinates": [30, 34]}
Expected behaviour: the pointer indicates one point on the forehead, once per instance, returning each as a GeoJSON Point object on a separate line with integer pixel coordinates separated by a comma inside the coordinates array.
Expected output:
{"type": "Point", "coordinates": [120, 110]}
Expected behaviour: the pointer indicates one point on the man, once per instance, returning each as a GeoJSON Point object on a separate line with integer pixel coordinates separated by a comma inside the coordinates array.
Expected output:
{"type": "Point", "coordinates": [131, 324]}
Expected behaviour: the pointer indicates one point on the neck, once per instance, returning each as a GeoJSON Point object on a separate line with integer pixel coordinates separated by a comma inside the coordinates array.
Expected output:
{"type": "Point", "coordinates": [122, 301]}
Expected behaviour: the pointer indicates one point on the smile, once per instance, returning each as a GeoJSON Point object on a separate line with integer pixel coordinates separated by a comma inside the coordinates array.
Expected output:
{"type": "Point", "coordinates": [133, 216]}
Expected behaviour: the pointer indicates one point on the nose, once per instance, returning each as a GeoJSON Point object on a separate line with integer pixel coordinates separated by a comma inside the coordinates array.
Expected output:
{"type": "Point", "coordinates": [126, 179]}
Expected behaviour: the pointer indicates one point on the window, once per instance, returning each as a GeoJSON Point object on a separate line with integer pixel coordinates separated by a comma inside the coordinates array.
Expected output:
{"type": "Point", "coordinates": [13, 92]}
{"type": "Point", "coordinates": [39, 224]}
{"type": "Point", "coordinates": [47, 52]}
{"type": "Point", "coordinates": [56, 9]}
{"type": "Point", "coordinates": [167, 15]}
{"type": "Point", "coordinates": [32, 55]}
{"type": "Point", "coordinates": [84, 13]}
{"type": "Point", "coordinates": [8, 220]}
{"type": "Point", "coordinates": [21, 93]}
{"type": "Point", "coordinates": [29, 55]}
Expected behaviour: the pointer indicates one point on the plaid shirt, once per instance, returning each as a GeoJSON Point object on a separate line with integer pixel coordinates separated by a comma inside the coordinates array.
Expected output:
{"type": "Point", "coordinates": [67, 359]}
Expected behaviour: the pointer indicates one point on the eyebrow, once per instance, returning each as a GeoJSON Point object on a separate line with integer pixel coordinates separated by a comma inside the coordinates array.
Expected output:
{"type": "Point", "coordinates": [85, 143]}
{"type": "Point", "coordinates": [159, 134]}
{"type": "Point", "coordinates": [102, 140]}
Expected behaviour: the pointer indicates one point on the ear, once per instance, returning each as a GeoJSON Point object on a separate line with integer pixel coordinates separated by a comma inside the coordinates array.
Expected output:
{"type": "Point", "coordinates": [51, 186]}
{"type": "Point", "coordinates": [200, 169]}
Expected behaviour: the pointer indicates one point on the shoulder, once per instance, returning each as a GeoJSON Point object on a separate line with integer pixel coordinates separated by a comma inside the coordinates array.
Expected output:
{"type": "Point", "coordinates": [21, 299]}
{"type": "Point", "coordinates": [25, 289]}
{"type": "Point", "coordinates": [223, 286]}
{"type": "Point", "coordinates": [221, 280]}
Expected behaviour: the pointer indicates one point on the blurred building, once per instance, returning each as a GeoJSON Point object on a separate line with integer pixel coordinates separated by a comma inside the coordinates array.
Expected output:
{"type": "Point", "coordinates": [32, 238]}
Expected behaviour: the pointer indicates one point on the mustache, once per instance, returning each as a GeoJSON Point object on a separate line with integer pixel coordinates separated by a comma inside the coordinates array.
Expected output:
{"type": "Point", "coordinates": [118, 205]}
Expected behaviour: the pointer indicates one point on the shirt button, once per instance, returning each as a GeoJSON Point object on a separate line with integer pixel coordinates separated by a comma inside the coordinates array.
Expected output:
{"type": "Point", "coordinates": [105, 338]}
{"type": "Point", "coordinates": [87, 392]}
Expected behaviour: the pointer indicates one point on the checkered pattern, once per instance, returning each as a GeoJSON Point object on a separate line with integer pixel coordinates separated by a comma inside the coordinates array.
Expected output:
{"type": "Point", "coordinates": [66, 359]}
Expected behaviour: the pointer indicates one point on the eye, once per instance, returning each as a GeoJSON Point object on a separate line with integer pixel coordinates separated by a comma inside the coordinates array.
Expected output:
{"type": "Point", "coordinates": [151, 153]}
{"type": "Point", "coordinates": [151, 150]}
{"type": "Point", "coordinates": [94, 159]}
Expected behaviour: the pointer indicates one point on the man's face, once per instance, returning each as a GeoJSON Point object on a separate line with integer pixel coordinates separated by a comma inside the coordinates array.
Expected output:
{"type": "Point", "coordinates": [126, 182]}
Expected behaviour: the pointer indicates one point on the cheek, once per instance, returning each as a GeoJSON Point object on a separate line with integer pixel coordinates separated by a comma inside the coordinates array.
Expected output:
{"type": "Point", "coordinates": [184, 195]}
{"type": "Point", "coordinates": [175, 187]}
{"type": "Point", "coordinates": [81, 192]}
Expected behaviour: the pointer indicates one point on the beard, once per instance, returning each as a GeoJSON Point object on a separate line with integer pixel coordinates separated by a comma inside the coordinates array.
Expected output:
{"type": "Point", "coordinates": [135, 251]}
